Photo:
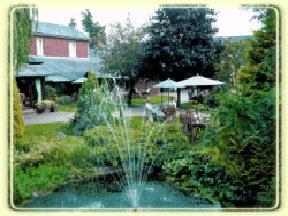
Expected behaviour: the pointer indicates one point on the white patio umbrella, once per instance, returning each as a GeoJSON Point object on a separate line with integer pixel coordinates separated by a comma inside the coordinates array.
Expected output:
{"type": "Point", "coordinates": [200, 81]}
{"type": "Point", "coordinates": [168, 84]}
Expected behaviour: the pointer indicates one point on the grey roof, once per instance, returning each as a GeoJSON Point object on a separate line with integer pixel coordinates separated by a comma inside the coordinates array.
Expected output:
{"type": "Point", "coordinates": [70, 69]}
{"type": "Point", "coordinates": [236, 38]}
{"type": "Point", "coordinates": [56, 30]}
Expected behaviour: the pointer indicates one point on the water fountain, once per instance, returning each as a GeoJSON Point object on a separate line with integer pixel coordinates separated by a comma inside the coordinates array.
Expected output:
{"type": "Point", "coordinates": [133, 153]}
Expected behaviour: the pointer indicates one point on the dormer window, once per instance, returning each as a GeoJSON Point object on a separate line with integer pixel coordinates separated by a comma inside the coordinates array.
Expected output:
{"type": "Point", "coordinates": [39, 44]}
{"type": "Point", "coordinates": [72, 49]}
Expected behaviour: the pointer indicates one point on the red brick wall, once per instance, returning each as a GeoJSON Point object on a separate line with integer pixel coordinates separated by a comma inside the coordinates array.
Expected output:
{"type": "Point", "coordinates": [56, 47]}
{"type": "Point", "coordinates": [141, 85]}
{"type": "Point", "coordinates": [82, 49]}
{"type": "Point", "coordinates": [33, 46]}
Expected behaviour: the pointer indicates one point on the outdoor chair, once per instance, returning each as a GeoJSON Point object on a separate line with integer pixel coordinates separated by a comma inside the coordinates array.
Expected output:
{"type": "Point", "coordinates": [170, 112]}
{"type": "Point", "coordinates": [146, 92]}
{"type": "Point", "coordinates": [137, 92]}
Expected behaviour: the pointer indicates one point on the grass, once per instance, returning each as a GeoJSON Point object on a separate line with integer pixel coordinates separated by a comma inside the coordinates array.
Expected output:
{"type": "Point", "coordinates": [137, 101]}
{"type": "Point", "coordinates": [45, 159]}
{"type": "Point", "coordinates": [48, 131]}
{"type": "Point", "coordinates": [196, 106]}
{"type": "Point", "coordinates": [67, 107]}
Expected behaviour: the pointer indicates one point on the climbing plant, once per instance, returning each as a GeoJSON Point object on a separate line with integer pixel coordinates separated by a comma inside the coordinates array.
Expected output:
{"type": "Point", "coordinates": [22, 34]}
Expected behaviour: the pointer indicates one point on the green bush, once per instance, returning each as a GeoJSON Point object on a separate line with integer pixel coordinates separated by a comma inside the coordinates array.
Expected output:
{"type": "Point", "coordinates": [37, 180]}
{"type": "Point", "coordinates": [18, 120]}
{"type": "Point", "coordinates": [65, 100]}
{"type": "Point", "coordinates": [46, 105]}
{"type": "Point", "coordinates": [160, 143]}
{"type": "Point", "coordinates": [41, 107]}
{"type": "Point", "coordinates": [50, 92]}
{"type": "Point", "coordinates": [54, 107]}
{"type": "Point", "coordinates": [234, 161]}
{"type": "Point", "coordinates": [198, 173]}
{"type": "Point", "coordinates": [94, 105]}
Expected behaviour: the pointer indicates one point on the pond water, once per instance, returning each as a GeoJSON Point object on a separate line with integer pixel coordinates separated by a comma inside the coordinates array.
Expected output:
{"type": "Point", "coordinates": [94, 195]}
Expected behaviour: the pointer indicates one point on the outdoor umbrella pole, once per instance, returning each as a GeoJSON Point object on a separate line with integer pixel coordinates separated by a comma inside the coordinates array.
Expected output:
{"type": "Point", "coordinates": [168, 95]}
{"type": "Point", "coordinates": [161, 96]}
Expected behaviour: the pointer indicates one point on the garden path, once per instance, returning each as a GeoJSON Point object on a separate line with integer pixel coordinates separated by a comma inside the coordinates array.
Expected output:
{"type": "Point", "coordinates": [49, 117]}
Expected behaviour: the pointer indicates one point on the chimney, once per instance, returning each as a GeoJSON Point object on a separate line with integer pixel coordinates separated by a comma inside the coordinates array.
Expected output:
{"type": "Point", "coordinates": [72, 23]}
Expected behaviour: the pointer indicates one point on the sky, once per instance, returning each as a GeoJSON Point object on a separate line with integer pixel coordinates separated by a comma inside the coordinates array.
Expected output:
{"type": "Point", "coordinates": [231, 21]}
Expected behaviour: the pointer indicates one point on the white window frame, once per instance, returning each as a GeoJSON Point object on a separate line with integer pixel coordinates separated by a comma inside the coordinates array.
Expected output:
{"type": "Point", "coordinates": [72, 49]}
{"type": "Point", "coordinates": [40, 46]}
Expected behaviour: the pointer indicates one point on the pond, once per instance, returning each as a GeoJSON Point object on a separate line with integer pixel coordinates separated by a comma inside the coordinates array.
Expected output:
{"type": "Point", "coordinates": [95, 195]}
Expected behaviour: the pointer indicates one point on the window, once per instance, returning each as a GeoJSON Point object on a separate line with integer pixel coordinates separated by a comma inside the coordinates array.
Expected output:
{"type": "Point", "coordinates": [39, 45]}
{"type": "Point", "coordinates": [72, 49]}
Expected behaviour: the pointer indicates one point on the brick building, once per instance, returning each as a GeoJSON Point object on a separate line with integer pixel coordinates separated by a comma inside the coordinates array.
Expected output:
{"type": "Point", "coordinates": [59, 56]}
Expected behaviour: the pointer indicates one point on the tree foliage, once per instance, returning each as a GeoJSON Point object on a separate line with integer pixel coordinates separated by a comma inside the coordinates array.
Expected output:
{"type": "Point", "coordinates": [260, 70]}
{"type": "Point", "coordinates": [22, 34]}
{"type": "Point", "coordinates": [236, 153]}
{"type": "Point", "coordinates": [181, 43]}
{"type": "Point", "coordinates": [124, 52]}
{"type": "Point", "coordinates": [18, 124]}
{"type": "Point", "coordinates": [231, 59]}
{"type": "Point", "coordinates": [93, 106]}
{"type": "Point", "coordinates": [96, 31]}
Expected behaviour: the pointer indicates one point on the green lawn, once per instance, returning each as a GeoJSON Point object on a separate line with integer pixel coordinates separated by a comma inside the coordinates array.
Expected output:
{"type": "Point", "coordinates": [137, 101]}
{"type": "Point", "coordinates": [196, 106]}
{"type": "Point", "coordinates": [67, 107]}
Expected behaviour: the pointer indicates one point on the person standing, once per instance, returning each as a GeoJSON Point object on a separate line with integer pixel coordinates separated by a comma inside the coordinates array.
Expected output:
{"type": "Point", "coordinates": [173, 102]}
{"type": "Point", "coordinates": [148, 109]}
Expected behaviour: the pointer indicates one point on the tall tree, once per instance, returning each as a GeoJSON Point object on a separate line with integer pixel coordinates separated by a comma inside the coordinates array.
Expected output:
{"type": "Point", "coordinates": [231, 59]}
{"type": "Point", "coordinates": [243, 129]}
{"type": "Point", "coordinates": [22, 34]}
{"type": "Point", "coordinates": [259, 73]}
{"type": "Point", "coordinates": [181, 43]}
{"type": "Point", "coordinates": [124, 53]}
{"type": "Point", "coordinates": [96, 31]}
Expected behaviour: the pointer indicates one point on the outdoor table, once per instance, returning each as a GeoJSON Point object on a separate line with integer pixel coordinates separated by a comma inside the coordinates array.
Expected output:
{"type": "Point", "coordinates": [192, 124]}
{"type": "Point", "coordinates": [170, 112]}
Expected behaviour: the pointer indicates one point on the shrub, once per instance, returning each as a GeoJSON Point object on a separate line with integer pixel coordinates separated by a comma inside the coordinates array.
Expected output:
{"type": "Point", "coordinates": [48, 103]}
{"type": "Point", "coordinates": [94, 105]}
{"type": "Point", "coordinates": [197, 172]}
{"type": "Point", "coordinates": [50, 92]}
{"type": "Point", "coordinates": [18, 121]}
{"type": "Point", "coordinates": [57, 100]}
{"type": "Point", "coordinates": [37, 179]}
{"type": "Point", "coordinates": [159, 141]}
{"type": "Point", "coordinates": [65, 100]}
{"type": "Point", "coordinates": [41, 107]}
{"type": "Point", "coordinates": [234, 162]}
{"type": "Point", "coordinates": [54, 107]}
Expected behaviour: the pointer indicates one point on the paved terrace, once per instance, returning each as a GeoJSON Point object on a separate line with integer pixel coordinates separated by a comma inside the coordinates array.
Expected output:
{"type": "Point", "coordinates": [43, 118]}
